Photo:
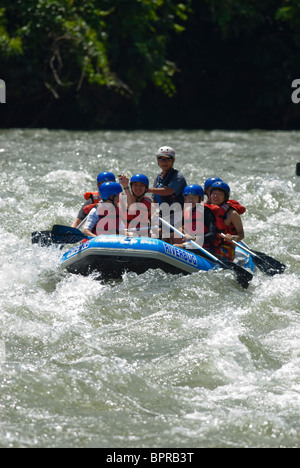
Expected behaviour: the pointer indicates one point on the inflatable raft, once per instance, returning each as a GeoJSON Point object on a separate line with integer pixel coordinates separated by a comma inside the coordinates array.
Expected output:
{"type": "Point", "coordinates": [111, 256]}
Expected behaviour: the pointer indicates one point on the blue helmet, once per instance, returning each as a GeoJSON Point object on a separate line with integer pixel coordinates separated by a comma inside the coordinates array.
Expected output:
{"type": "Point", "coordinates": [140, 178]}
{"type": "Point", "coordinates": [193, 189]}
{"type": "Point", "coordinates": [105, 177]}
{"type": "Point", "coordinates": [220, 186]}
{"type": "Point", "coordinates": [210, 181]}
{"type": "Point", "coordinates": [109, 188]}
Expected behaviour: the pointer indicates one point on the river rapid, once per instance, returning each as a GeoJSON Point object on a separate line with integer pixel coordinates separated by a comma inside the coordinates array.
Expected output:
{"type": "Point", "coordinates": [155, 360]}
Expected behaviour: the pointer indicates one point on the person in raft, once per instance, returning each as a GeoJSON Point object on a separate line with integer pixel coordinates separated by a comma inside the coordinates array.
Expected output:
{"type": "Point", "coordinates": [199, 222]}
{"type": "Point", "coordinates": [105, 217]}
{"type": "Point", "coordinates": [228, 220]}
{"type": "Point", "coordinates": [93, 198]}
{"type": "Point", "coordinates": [169, 184]}
{"type": "Point", "coordinates": [168, 189]}
{"type": "Point", "coordinates": [137, 216]}
{"type": "Point", "coordinates": [233, 203]}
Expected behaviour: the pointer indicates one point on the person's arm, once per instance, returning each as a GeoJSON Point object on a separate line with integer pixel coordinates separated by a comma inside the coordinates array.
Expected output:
{"type": "Point", "coordinates": [130, 197]}
{"type": "Point", "coordinates": [76, 222]}
{"type": "Point", "coordinates": [88, 233]}
{"type": "Point", "coordinates": [177, 183]}
{"type": "Point", "coordinates": [124, 181]}
{"type": "Point", "coordinates": [162, 191]}
{"type": "Point", "coordinates": [236, 220]}
{"type": "Point", "coordinates": [90, 223]}
{"type": "Point", "coordinates": [81, 215]}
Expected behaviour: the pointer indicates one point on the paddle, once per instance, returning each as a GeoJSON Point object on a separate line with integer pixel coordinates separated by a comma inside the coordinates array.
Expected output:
{"type": "Point", "coordinates": [63, 235]}
{"type": "Point", "coordinates": [268, 265]}
{"type": "Point", "coordinates": [243, 276]}
{"type": "Point", "coordinates": [58, 235]}
{"type": "Point", "coordinates": [68, 235]}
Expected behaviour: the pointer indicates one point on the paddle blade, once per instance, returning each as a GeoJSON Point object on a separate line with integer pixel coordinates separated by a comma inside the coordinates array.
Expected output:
{"type": "Point", "coordinates": [268, 265]}
{"type": "Point", "coordinates": [243, 276]}
{"type": "Point", "coordinates": [58, 235]}
{"type": "Point", "coordinates": [67, 234]}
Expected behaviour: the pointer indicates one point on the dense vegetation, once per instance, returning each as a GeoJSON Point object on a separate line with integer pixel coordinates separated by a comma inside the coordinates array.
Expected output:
{"type": "Point", "coordinates": [150, 63]}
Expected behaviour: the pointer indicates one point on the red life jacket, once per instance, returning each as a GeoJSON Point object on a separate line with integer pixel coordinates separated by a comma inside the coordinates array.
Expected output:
{"type": "Point", "coordinates": [227, 229]}
{"type": "Point", "coordinates": [93, 195]}
{"type": "Point", "coordinates": [221, 247]}
{"type": "Point", "coordinates": [220, 213]}
{"type": "Point", "coordinates": [237, 206]}
{"type": "Point", "coordinates": [145, 215]}
{"type": "Point", "coordinates": [193, 223]}
{"type": "Point", "coordinates": [88, 208]}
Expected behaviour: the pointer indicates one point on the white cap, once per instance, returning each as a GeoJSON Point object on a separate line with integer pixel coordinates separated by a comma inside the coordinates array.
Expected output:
{"type": "Point", "coordinates": [166, 151]}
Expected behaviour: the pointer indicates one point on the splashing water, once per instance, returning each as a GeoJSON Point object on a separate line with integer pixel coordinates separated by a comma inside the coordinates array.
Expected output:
{"type": "Point", "coordinates": [154, 360]}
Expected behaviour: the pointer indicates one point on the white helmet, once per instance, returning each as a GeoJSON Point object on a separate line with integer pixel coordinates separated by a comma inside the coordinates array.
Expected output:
{"type": "Point", "coordinates": [166, 151]}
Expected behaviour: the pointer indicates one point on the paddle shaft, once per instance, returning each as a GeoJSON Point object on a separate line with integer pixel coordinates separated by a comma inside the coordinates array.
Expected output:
{"type": "Point", "coordinates": [243, 276]}
{"type": "Point", "coordinates": [268, 265]}
{"type": "Point", "coordinates": [82, 223]}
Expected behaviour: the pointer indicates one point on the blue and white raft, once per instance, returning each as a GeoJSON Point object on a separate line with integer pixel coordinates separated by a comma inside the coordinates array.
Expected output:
{"type": "Point", "coordinates": [111, 256]}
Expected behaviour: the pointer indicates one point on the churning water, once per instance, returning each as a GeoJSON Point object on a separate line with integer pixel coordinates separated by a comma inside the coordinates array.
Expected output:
{"type": "Point", "coordinates": [154, 360]}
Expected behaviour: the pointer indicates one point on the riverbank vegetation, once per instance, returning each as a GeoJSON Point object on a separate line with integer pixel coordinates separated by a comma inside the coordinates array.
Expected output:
{"type": "Point", "coordinates": [150, 63]}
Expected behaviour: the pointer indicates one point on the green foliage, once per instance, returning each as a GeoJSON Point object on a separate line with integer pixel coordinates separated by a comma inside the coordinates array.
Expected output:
{"type": "Point", "coordinates": [240, 17]}
{"type": "Point", "coordinates": [289, 13]}
{"type": "Point", "coordinates": [120, 44]}
{"type": "Point", "coordinates": [9, 45]}
{"type": "Point", "coordinates": [202, 63]}
{"type": "Point", "coordinates": [140, 32]}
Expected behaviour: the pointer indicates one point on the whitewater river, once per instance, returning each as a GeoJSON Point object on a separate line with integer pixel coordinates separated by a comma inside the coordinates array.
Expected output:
{"type": "Point", "coordinates": [155, 360]}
